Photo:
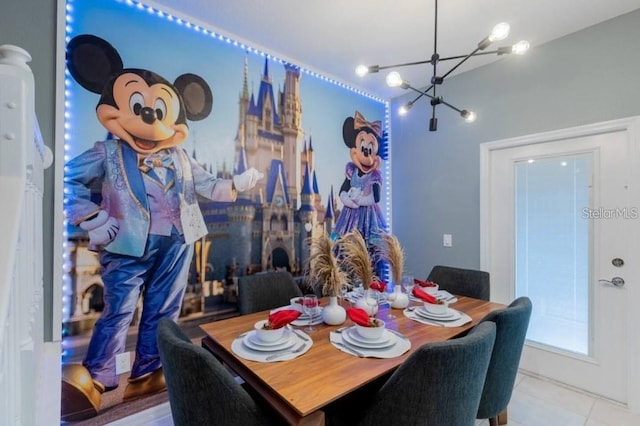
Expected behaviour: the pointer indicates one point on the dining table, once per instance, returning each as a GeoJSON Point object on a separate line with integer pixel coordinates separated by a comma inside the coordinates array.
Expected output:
{"type": "Point", "coordinates": [298, 389]}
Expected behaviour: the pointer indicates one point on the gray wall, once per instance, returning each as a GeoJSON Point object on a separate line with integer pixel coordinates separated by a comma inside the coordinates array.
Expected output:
{"type": "Point", "coordinates": [31, 24]}
{"type": "Point", "coordinates": [586, 77]}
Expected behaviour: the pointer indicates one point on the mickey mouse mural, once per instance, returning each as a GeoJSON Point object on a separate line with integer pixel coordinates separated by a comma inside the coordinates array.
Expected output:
{"type": "Point", "coordinates": [360, 191]}
{"type": "Point", "coordinates": [148, 217]}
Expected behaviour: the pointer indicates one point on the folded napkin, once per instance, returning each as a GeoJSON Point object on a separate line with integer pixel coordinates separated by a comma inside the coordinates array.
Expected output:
{"type": "Point", "coordinates": [423, 283]}
{"type": "Point", "coordinates": [419, 293]}
{"type": "Point", "coordinates": [282, 317]}
{"type": "Point", "coordinates": [378, 285]}
{"type": "Point", "coordinates": [359, 316]}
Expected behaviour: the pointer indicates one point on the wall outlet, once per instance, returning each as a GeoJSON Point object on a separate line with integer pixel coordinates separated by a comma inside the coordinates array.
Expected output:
{"type": "Point", "coordinates": [447, 240]}
{"type": "Point", "coordinates": [123, 363]}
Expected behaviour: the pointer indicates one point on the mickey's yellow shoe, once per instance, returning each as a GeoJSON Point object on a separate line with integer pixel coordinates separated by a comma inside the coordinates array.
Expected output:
{"type": "Point", "coordinates": [81, 395]}
{"type": "Point", "coordinates": [148, 384]}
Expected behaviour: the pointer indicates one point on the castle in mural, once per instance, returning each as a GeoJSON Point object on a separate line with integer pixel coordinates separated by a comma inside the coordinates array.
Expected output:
{"type": "Point", "coordinates": [269, 226]}
{"type": "Point", "coordinates": [266, 228]}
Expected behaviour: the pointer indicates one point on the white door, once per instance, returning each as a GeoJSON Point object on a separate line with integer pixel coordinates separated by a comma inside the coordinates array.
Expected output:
{"type": "Point", "coordinates": [558, 218]}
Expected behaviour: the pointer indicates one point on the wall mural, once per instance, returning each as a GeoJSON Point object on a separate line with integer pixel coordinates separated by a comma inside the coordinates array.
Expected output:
{"type": "Point", "coordinates": [192, 160]}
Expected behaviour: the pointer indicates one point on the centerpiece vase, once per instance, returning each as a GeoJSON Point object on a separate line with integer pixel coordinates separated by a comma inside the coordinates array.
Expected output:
{"type": "Point", "coordinates": [401, 299]}
{"type": "Point", "coordinates": [334, 314]}
{"type": "Point", "coordinates": [368, 302]}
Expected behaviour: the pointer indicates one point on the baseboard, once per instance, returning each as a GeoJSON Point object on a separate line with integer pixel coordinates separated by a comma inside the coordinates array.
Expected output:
{"type": "Point", "coordinates": [157, 415]}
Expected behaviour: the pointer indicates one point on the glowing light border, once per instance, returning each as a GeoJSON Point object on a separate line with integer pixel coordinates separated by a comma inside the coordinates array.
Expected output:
{"type": "Point", "coordinates": [67, 291]}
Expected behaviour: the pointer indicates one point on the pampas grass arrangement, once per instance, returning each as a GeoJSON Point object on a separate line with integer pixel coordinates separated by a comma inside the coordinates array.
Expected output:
{"type": "Point", "coordinates": [354, 258]}
{"type": "Point", "coordinates": [394, 254]}
{"type": "Point", "coordinates": [323, 267]}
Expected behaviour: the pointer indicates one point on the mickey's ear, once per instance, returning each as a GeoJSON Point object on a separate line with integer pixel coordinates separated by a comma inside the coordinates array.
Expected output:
{"type": "Point", "coordinates": [196, 95]}
{"type": "Point", "coordinates": [348, 132]}
{"type": "Point", "coordinates": [92, 61]}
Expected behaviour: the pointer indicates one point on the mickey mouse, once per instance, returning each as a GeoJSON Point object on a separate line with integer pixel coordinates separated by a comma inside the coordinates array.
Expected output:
{"type": "Point", "coordinates": [148, 219]}
{"type": "Point", "coordinates": [360, 191]}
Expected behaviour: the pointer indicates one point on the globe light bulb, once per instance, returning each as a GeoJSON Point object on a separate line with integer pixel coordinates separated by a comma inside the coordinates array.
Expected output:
{"type": "Point", "coordinates": [499, 32]}
{"type": "Point", "coordinates": [469, 116]}
{"type": "Point", "coordinates": [404, 109]}
{"type": "Point", "coordinates": [394, 79]}
{"type": "Point", "coordinates": [362, 70]}
{"type": "Point", "coordinates": [520, 47]}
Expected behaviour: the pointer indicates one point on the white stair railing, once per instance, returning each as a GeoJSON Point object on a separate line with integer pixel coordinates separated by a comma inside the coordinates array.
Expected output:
{"type": "Point", "coordinates": [23, 158]}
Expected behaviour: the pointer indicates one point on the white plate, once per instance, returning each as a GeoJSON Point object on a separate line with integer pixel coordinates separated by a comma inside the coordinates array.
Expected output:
{"type": "Point", "coordinates": [353, 338]}
{"type": "Point", "coordinates": [452, 315]}
{"type": "Point", "coordinates": [252, 342]}
{"type": "Point", "coordinates": [357, 336]}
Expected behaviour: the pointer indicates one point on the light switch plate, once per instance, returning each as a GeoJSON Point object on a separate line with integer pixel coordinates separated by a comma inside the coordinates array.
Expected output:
{"type": "Point", "coordinates": [123, 363]}
{"type": "Point", "coordinates": [447, 240]}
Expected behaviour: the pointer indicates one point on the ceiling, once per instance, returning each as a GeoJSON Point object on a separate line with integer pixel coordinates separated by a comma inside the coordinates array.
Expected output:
{"type": "Point", "coordinates": [332, 37]}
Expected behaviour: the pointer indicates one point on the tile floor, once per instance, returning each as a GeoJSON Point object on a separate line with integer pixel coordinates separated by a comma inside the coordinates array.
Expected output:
{"type": "Point", "coordinates": [534, 402]}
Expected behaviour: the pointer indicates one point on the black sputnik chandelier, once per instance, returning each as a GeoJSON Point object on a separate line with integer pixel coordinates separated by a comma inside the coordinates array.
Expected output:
{"type": "Point", "coordinates": [499, 32]}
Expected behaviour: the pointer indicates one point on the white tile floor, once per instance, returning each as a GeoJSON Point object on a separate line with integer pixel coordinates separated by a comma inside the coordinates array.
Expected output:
{"type": "Point", "coordinates": [534, 402]}
{"type": "Point", "coordinates": [540, 402]}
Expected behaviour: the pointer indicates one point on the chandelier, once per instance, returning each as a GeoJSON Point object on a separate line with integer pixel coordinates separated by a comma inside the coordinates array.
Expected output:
{"type": "Point", "coordinates": [499, 32]}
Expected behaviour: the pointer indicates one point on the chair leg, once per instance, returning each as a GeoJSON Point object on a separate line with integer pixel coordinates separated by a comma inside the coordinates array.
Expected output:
{"type": "Point", "coordinates": [502, 417]}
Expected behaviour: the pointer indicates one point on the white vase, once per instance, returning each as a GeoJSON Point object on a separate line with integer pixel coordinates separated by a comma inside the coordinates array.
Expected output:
{"type": "Point", "coordinates": [334, 314]}
{"type": "Point", "coordinates": [368, 302]}
{"type": "Point", "coordinates": [400, 299]}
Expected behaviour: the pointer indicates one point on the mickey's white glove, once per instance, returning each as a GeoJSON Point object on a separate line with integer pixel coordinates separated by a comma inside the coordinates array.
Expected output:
{"type": "Point", "coordinates": [102, 229]}
{"type": "Point", "coordinates": [247, 180]}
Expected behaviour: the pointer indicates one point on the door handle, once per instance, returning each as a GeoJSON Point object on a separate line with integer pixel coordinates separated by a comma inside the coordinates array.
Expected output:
{"type": "Point", "coordinates": [615, 281]}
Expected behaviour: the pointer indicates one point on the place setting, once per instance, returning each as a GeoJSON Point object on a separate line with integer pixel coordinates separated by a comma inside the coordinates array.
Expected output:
{"type": "Point", "coordinates": [368, 337]}
{"type": "Point", "coordinates": [431, 288]}
{"type": "Point", "coordinates": [273, 339]}
{"type": "Point", "coordinates": [434, 311]}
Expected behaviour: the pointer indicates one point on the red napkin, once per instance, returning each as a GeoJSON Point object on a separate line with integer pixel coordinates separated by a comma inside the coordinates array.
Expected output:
{"type": "Point", "coordinates": [359, 316]}
{"type": "Point", "coordinates": [423, 283]}
{"type": "Point", "coordinates": [283, 317]}
{"type": "Point", "coordinates": [378, 285]}
{"type": "Point", "coordinates": [417, 292]}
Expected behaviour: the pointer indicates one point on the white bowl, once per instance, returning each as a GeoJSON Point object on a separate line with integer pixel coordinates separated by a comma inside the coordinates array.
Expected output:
{"type": "Point", "coordinates": [296, 303]}
{"type": "Point", "coordinates": [437, 308]}
{"type": "Point", "coordinates": [371, 333]}
{"type": "Point", "coordinates": [267, 335]}
{"type": "Point", "coordinates": [431, 289]}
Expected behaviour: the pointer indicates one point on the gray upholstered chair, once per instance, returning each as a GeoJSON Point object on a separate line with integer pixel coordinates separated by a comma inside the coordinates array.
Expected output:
{"type": "Point", "coordinates": [439, 384]}
{"type": "Point", "coordinates": [511, 329]}
{"type": "Point", "coordinates": [463, 282]}
{"type": "Point", "coordinates": [201, 390]}
{"type": "Point", "coordinates": [265, 290]}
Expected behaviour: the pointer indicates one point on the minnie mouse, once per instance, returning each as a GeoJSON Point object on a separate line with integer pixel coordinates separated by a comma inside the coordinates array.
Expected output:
{"type": "Point", "coordinates": [360, 191]}
{"type": "Point", "coordinates": [148, 217]}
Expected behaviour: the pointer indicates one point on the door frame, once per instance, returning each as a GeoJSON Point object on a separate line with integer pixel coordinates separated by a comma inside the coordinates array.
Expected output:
{"type": "Point", "coordinates": [504, 293]}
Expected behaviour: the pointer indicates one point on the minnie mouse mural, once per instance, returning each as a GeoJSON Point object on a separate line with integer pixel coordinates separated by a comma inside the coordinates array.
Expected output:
{"type": "Point", "coordinates": [360, 191]}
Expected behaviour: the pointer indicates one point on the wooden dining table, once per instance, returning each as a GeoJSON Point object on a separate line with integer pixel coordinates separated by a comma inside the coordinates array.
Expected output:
{"type": "Point", "coordinates": [300, 388]}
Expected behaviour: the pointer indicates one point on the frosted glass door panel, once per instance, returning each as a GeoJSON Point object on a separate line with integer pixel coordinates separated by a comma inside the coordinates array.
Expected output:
{"type": "Point", "coordinates": [552, 248]}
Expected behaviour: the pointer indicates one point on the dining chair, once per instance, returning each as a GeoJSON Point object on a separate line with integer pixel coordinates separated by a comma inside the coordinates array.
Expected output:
{"type": "Point", "coordinates": [511, 329]}
{"type": "Point", "coordinates": [266, 290]}
{"type": "Point", "coordinates": [439, 384]}
{"type": "Point", "coordinates": [462, 282]}
{"type": "Point", "coordinates": [201, 390]}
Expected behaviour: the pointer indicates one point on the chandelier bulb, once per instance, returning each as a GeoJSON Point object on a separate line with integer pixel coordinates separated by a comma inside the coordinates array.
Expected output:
{"type": "Point", "coordinates": [405, 108]}
{"type": "Point", "coordinates": [469, 116]}
{"type": "Point", "coordinates": [520, 47]}
{"type": "Point", "coordinates": [362, 70]}
{"type": "Point", "coordinates": [394, 79]}
{"type": "Point", "coordinates": [499, 32]}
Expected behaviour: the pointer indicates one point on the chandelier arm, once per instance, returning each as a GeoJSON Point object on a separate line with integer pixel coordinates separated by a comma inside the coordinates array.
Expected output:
{"type": "Point", "coordinates": [448, 58]}
{"type": "Point", "coordinates": [406, 64]}
{"type": "Point", "coordinates": [461, 62]}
